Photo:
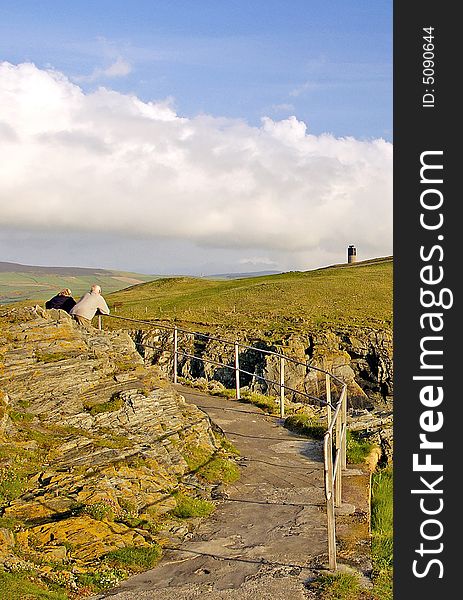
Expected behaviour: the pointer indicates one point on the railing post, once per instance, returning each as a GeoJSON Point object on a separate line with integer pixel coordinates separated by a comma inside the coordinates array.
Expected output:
{"type": "Point", "coordinates": [328, 398]}
{"type": "Point", "coordinates": [237, 371]}
{"type": "Point", "coordinates": [344, 422]}
{"type": "Point", "coordinates": [282, 387]}
{"type": "Point", "coordinates": [175, 354]}
{"type": "Point", "coordinates": [328, 462]}
{"type": "Point", "coordinates": [100, 325]}
{"type": "Point", "coordinates": [338, 474]}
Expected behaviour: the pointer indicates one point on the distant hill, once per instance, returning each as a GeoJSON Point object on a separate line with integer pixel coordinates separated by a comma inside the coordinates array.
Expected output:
{"type": "Point", "coordinates": [241, 275]}
{"type": "Point", "coordinates": [339, 296]}
{"type": "Point", "coordinates": [28, 282]}
{"type": "Point", "coordinates": [9, 267]}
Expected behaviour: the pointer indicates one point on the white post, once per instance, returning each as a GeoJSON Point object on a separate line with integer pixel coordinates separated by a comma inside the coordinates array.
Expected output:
{"type": "Point", "coordinates": [237, 371]}
{"type": "Point", "coordinates": [344, 422]}
{"type": "Point", "coordinates": [328, 398]}
{"type": "Point", "coordinates": [282, 387]}
{"type": "Point", "coordinates": [338, 475]}
{"type": "Point", "coordinates": [175, 354]}
{"type": "Point", "coordinates": [329, 494]}
{"type": "Point", "coordinates": [100, 325]}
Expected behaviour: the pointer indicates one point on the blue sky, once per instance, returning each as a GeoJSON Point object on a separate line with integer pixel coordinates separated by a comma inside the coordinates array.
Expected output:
{"type": "Point", "coordinates": [195, 136]}
{"type": "Point", "coordinates": [327, 62]}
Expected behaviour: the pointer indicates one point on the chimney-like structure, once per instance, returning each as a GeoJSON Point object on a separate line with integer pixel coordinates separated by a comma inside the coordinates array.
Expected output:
{"type": "Point", "coordinates": [351, 254]}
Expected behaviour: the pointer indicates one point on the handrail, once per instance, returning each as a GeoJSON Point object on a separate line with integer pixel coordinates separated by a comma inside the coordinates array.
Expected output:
{"type": "Point", "coordinates": [336, 421]}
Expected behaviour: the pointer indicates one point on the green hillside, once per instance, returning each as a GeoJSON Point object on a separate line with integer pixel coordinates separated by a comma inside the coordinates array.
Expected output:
{"type": "Point", "coordinates": [341, 295]}
{"type": "Point", "coordinates": [40, 286]}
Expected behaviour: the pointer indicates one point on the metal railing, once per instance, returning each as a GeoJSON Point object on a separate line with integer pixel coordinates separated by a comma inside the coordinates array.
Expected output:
{"type": "Point", "coordinates": [334, 440]}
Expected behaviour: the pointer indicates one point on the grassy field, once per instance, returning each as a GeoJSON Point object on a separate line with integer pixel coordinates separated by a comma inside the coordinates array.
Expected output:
{"type": "Point", "coordinates": [19, 286]}
{"type": "Point", "coordinates": [358, 295]}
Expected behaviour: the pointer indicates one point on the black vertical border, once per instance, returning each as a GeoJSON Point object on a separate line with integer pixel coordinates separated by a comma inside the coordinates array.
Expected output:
{"type": "Point", "coordinates": [416, 130]}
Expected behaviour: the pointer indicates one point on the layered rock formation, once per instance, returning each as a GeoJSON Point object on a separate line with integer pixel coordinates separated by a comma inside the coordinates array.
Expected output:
{"type": "Point", "coordinates": [362, 358]}
{"type": "Point", "coordinates": [93, 444]}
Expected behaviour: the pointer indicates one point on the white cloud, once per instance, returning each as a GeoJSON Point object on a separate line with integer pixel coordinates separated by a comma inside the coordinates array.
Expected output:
{"type": "Point", "coordinates": [119, 68]}
{"type": "Point", "coordinates": [258, 261]}
{"type": "Point", "coordinates": [110, 162]}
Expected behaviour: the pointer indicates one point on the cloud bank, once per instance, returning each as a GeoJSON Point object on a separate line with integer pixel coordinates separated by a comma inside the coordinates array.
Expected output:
{"type": "Point", "coordinates": [110, 162]}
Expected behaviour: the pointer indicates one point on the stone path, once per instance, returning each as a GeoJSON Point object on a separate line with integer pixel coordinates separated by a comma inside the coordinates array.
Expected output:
{"type": "Point", "coordinates": [268, 532]}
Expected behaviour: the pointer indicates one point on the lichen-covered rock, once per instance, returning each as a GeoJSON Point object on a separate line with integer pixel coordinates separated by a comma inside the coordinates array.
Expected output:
{"type": "Point", "coordinates": [377, 427]}
{"type": "Point", "coordinates": [92, 441]}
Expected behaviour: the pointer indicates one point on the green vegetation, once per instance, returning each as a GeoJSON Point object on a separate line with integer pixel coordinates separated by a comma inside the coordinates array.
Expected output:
{"type": "Point", "coordinates": [219, 470]}
{"type": "Point", "coordinates": [21, 417]}
{"type": "Point", "coordinates": [196, 456]}
{"type": "Point", "coordinates": [337, 586]}
{"type": "Point", "coordinates": [51, 357]}
{"type": "Point", "coordinates": [12, 485]}
{"type": "Point", "coordinates": [382, 532]}
{"type": "Point", "coordinates": [305, 425]}
{"type": "Point", "coordinates": [18, 286]}
{"type": "Point", "coordinates": [15, 586]}
{"type": "Point", "coordinates": [359, 295]}
{"type": "Point", "coordinates": [111, 405]}
{"type": "Point", "coordinates": [357, 448]}
{"type": "Point", "coordinates": [212, 467]}
{"type": "Point", "coordinates": [135, 558]}
{"type": "Point", "coordinates": [115, 441]}
{"type": "Point", "coordinates": [18, 464]}
{"type": "Point", "coordinates": [100, 511]}
{"type": "Point", "coordinates": [100, 579]}
{"type": "Point", "coordinates": [187, 507]}
{"type": "Point", "coordinates": [226, 444]}
{"type": "Point", "coordinates": [266, 403]}
{"type": "Point", "coordinates": [8, 523]}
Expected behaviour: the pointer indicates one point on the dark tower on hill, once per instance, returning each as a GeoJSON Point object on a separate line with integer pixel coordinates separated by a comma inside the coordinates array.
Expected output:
{"type": "Point", "coordinates": [351, 254]}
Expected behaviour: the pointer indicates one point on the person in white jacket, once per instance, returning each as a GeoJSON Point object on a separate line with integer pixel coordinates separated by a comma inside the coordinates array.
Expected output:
{"type": "Point", "coordinates": [91, 302]}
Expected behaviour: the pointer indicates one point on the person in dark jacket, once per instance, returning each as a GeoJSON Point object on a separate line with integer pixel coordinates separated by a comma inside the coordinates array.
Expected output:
{"type": "Point", "coordinates": [63, 300]}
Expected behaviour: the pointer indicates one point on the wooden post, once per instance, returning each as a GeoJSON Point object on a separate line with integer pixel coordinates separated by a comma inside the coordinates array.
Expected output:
{"type": "Point", "coordinates": [329, 493]}
{"type": "Point", "coordinates": [282, 387]}
{"type": "Point", "coordinates": [344, 422]}
{"type": "Point", "coordinates": [328, 398]}
{"type": "Point", "coordinates": [175, 354]}
{"type": "Point", "coordinates": [237, 371]}
{"type": "Point", "coordinates": [100, 323]}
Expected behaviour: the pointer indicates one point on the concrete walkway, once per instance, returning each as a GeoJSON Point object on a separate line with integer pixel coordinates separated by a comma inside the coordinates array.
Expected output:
{"type": "Point", "coordinates": [268, 532]}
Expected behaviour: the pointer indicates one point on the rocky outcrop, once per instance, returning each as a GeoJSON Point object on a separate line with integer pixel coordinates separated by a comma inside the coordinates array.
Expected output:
{"type": "Point", "coordinates": [360, 357]}
{"type": "Point", "coordinates": [93, 443]}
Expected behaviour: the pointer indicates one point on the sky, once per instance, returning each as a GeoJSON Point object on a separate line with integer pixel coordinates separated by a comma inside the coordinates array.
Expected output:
{"type": "Point", "coordinates": [195, 137]}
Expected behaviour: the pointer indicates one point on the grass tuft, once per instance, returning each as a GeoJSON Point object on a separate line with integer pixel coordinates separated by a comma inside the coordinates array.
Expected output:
{"type": "Point", "coordinates": [357, 448]}
{"type": "Point", "coordinates": [219, 470]}
{"type": "Point", "coordinates": [337, 586]}
{"type": "Point", "coordinates": [187, 507]}
{"type": "Point", "coordinates": [305, 425]}
{"type": "Point", "coordinates": [266, 403]}
{"type": "Point", "coordinates": [135, 558]}
{"type": "Point", "coordinates": [115, 403]}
